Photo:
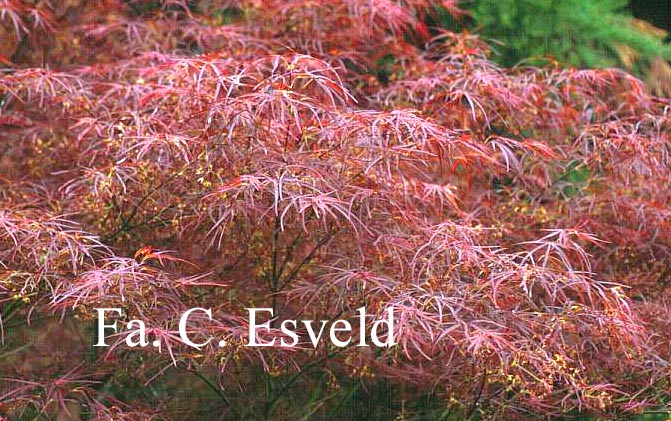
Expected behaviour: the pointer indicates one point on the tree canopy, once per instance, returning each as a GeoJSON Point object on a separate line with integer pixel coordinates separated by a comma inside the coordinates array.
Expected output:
{"type": "Point", "coordinates": [314, 158]}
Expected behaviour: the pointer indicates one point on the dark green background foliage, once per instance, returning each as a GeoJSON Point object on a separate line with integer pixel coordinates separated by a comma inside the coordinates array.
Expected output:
{"type": "Point", "coordinates": [573, 32]}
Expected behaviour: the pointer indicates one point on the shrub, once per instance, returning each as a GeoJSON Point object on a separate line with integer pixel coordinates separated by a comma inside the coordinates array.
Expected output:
{"type": "Point", "coordinates": [587, 34]}
{"type": "Point", "coordinates": [316, 158]}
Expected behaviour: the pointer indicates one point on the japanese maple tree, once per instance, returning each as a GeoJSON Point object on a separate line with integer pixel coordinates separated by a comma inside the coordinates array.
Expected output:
{"type": "Point", "coordinates": [314, 158]}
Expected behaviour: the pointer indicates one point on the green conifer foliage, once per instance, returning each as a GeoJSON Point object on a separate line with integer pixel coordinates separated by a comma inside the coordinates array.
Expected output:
{"type": "Point", "coordinates": [595, 33]}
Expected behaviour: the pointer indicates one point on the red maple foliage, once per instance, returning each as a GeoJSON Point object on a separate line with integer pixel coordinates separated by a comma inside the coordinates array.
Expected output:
{"type": "Point", "coordinates": [317, 157]}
